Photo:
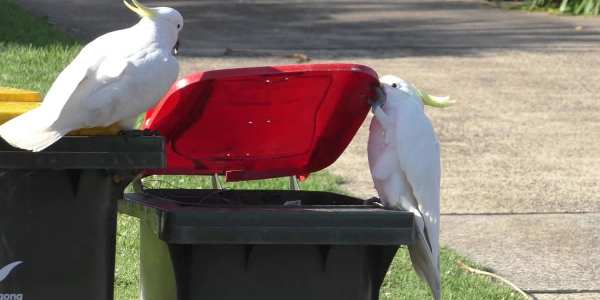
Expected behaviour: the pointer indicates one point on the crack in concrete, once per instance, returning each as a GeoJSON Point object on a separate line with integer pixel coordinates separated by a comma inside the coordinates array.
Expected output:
{"type": "Point", "coordinates": [564, 291]}
{"type": "Point", "coordinates": [522, 213]}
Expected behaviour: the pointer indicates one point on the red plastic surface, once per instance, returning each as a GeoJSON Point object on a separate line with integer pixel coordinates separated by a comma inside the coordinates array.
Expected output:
{"type": "Point", "coordinates": [265, 122]}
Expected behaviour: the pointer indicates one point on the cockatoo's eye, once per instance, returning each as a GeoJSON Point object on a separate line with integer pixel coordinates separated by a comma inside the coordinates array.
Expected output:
{"type": "Point", "coordinates": [178, 26]}
{"type": "Point", "coordinates": [394, 85]}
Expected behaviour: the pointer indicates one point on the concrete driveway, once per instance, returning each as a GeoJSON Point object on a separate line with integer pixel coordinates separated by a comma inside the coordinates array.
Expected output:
{"type": "Point", "coordinates": [521, 148]}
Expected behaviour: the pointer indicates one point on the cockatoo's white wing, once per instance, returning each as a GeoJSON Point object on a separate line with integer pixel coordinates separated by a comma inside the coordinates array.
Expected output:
{"type": "Point", "coordinates": [85, 63]}
{"type": "Point", "coordinates": [120, 89]}
{"type": "Point", "coordinates": [33, 130]}
{"type": "Point", "coordinates": [418, 153]}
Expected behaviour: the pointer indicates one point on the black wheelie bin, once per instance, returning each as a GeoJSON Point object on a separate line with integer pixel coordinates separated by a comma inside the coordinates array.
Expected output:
{"type": "Point", "coordinates": [58, 213]}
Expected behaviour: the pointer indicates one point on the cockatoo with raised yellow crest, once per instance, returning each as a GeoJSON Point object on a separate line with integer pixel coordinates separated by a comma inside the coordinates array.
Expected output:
{"type": "Point", "coordinates": [113, 79]}
{"type": "Point", "coordinates": [404, 159]}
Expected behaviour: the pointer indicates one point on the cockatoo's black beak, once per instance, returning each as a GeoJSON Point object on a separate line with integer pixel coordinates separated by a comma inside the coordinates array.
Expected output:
{"type": "Point", "coordinates": [380, 98]}
{"type": "Point", "coordinates": [176, 48]}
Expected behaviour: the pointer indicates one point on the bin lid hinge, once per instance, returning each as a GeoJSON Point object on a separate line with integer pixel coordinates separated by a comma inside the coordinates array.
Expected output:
{"type": "Point", "coordinates": [137, 184]}
{"type": "Point", "coordinates": [294, 184]}
{"type": "Point", "coordinates": [216, 182]}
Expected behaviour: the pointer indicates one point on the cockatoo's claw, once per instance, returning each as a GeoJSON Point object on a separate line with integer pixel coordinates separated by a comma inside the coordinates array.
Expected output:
{"type": "Point", "coordinates": [131, 133]}
{"type": "Point", "coordinates": [138, 133]}
{"type": "Point", "coordinates": [148, 132]}
{"type": "Point", "coordinates": [374, 201]}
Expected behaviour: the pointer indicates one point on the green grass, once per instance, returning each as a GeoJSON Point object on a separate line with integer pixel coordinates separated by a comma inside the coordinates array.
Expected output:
{"type": "Point", "coordinates": [32, 53]}
{"type": "Point", "coordinates": [574, 7]}
{"type": "Point", "coordinates": [127, 259]}
{"type": "Point", "coordinates": [315, 182]}
{"type": "Point", "coordinates": [402, 283]}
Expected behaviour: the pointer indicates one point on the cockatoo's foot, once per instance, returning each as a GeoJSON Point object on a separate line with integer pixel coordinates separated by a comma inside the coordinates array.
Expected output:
{"type": "Point", "coordinates": [137, 133]}
{"type": "Point", "coordinates": [374, 201]}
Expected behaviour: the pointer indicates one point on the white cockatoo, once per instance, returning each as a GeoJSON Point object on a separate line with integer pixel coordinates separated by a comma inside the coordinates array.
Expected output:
{"type": "Point", "coordinates": [113, 79]}
{"type": "Point", "coordinates": [404, 159]}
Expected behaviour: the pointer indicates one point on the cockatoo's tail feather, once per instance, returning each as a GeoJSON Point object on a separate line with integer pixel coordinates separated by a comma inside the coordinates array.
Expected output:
{"type": "Point", "coordinates": [27, 132]}
{"type": "Point", "coordinates": [435, 101]}
{"type": "Point", "coordinates": [425, 266]}
{"type": "Point", "coordinates": [139, 9]}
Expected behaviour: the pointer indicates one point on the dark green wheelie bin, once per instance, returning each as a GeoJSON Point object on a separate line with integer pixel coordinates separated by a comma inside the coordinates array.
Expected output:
{"type": "Point", "coordinates": [258, 123]}
{"type": "Point", "coordinates": [58, 213]}
{"type": "Point", "coordinates": [235, 244]}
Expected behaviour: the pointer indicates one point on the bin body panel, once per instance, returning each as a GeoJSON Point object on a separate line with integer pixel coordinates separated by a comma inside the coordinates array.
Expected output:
{"type": "Point", "coordinates": [58, 210]}
{"type": "Point", "coordinates": [61, 225]}
{"type": "Point", "coordinates": [294, 272]}
{"type": "Point", "coordinates": [269, 272]}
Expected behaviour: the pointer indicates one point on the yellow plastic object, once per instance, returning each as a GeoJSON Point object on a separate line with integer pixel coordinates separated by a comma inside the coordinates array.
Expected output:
{"type": "Point", "coordinates": [9, 110]}
{"type": "Point", "coordinates": [17, 95]}
{"type": "Point", "coordinates": [14, 102]}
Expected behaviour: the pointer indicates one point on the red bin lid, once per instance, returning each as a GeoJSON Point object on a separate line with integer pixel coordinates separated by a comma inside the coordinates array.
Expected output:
{"type": "Point", "coordinates": [265, 122]}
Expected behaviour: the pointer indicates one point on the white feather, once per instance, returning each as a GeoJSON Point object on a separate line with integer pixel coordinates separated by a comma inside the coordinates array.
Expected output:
{"type": "Point", "coordinates": [404, 159]}
{"type": "Point", "coordinates": [114, 78]}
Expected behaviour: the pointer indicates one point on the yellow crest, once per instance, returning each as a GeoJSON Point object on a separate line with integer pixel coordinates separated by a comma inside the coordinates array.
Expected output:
{"type": "Point", "coordinates": [139, 9]}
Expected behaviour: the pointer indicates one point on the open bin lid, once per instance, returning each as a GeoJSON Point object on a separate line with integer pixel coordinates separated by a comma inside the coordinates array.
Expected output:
{"type": "Point", "coordinates": [264, 122]}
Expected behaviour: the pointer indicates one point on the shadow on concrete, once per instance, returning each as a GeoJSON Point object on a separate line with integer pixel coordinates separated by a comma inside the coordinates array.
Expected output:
{"type": "Point", "coordinates": [339, 28]}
